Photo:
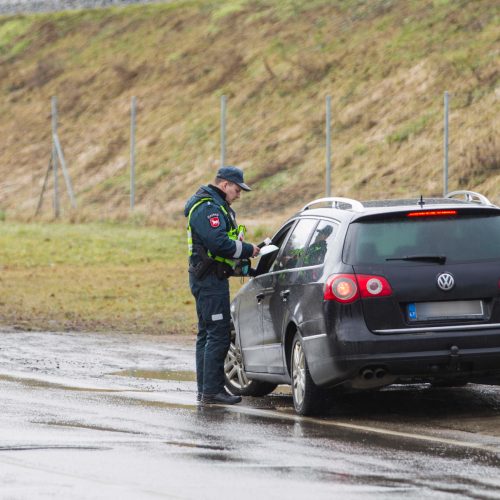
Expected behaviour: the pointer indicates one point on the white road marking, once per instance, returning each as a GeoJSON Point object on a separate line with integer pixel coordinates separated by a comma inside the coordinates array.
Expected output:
{"type": "Point", "coordinates": [366, 428]}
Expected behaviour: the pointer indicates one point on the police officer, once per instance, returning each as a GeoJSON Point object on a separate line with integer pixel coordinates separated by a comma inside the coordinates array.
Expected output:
{"type": "Point", "coordinates": [215, 246]}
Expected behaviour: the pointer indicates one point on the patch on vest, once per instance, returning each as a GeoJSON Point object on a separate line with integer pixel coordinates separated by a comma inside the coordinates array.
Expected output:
{"type": "Point", "coordinates": [214, 220]}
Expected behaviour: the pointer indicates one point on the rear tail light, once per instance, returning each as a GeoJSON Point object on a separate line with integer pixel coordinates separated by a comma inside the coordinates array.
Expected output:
{"type": "Point", "coordinates": [347, 288]}
{"type": "Point", "coordinates": [432, 213]}
{"type": "Point", "coordinates": [373, 286]}
{"type": "Point", "coordinates": [342, 288]}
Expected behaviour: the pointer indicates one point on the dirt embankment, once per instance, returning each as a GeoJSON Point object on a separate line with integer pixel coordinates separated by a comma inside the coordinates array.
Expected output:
{"type": "Point", "coordinates": [385, 65]}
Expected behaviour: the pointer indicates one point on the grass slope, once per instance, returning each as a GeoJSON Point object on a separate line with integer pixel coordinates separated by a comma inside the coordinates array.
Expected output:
{"type": "Point", "coordinates": [386, 64]}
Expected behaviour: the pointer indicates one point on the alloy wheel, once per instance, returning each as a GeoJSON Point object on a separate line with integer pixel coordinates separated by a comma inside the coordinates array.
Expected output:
{"type": "Point", "coordinates": [233, 368]}
{"type": "Point", "coordinates": [299, 373]}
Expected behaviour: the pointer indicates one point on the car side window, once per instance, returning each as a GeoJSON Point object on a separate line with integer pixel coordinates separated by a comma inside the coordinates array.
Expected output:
{"type": "Point", "coordinates": [320, 243]}
{"type": "Point", "coordinates": [293, 253]}
{"type": "Point", "coordinates": [267, 261]}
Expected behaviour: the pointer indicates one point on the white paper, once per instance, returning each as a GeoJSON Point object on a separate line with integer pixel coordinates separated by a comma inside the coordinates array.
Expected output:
{"type": "Point", "coordinates": [268, 249]}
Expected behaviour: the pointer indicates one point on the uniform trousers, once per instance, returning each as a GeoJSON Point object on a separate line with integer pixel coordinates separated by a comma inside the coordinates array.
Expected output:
{"type": "Point", "coordinates": [214, 331]}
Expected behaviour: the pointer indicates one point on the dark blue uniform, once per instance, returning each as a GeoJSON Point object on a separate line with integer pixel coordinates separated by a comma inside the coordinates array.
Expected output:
{"type": "Point", "coordinates": [210, 225]}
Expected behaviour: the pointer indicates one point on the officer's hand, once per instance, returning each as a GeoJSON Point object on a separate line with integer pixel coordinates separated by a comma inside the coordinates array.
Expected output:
{"type": "Point", "coordinates": [256, 251]}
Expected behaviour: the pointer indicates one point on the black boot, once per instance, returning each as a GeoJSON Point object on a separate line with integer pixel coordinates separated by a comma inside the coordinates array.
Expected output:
{"type": "Point", "coordinates": [220, 398]}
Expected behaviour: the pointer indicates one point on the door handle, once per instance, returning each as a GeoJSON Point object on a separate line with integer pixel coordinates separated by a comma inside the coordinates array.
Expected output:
{"type": "Point", "coordinates": [260, 296]}
{"type": "Point", "coordinates": [284, 294]}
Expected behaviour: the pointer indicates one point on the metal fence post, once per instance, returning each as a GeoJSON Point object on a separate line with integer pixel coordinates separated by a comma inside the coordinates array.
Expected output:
{"type": "Point", "coordinates": [328, 145]}
{"type": "Point", "coordinates": [445, 145]}
{"type": "Point", "coordinates": [57, 206]}
{"type": "Point", "coordinates": [223, 106]}
{"type": "Point", "coordinates": [133, 109]}
{"type": "Point", "coordinates": [64, 169]}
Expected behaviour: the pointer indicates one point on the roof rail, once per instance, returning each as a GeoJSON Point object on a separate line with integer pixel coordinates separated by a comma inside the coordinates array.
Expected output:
{"type": "Point", "coordinates": [471, 196]}
{"type": "Point", "coordinates": [336, 202]}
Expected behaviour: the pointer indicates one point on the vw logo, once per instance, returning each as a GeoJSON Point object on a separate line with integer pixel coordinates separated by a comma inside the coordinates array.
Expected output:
{"type": "Point", "coordinates": [446, 281]}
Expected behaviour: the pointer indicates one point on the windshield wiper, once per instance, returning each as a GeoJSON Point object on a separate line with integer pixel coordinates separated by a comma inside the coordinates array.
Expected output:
{"type": "Point", "coordinates": [440, 259]}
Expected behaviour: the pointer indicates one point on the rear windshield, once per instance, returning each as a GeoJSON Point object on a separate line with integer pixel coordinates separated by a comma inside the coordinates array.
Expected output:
{"type": "Point", "coordinates": [459, 239]}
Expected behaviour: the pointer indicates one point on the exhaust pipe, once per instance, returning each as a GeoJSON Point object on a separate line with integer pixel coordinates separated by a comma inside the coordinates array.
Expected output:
{"type": "Point", "coordinates": [373, 377]}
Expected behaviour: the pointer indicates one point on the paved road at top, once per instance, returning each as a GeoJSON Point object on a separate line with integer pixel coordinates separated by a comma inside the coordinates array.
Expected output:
{"type": "Point", "coordinates": [35, 6]}
{"type": "Point", "coordinates": [114, 416]}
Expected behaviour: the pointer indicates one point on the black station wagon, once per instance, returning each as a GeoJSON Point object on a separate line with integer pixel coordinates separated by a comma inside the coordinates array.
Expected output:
{"type": "Point", "coordinates": [363, 295]}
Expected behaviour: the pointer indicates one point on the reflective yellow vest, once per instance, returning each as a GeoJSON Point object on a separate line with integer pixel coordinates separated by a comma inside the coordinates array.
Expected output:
{"type": "Point", "coordinates": [235, 233]}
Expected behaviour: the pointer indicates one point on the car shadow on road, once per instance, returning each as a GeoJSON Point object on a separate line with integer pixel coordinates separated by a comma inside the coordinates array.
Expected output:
{"type": "Point", "coordinates": [417, 402]}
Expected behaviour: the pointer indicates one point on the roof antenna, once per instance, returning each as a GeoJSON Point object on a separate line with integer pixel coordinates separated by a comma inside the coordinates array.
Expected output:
{"type": "Point", "coordinates": [421, 202]}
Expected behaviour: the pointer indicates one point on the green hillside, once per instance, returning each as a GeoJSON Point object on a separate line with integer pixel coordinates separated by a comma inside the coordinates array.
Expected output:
{"type": "Point", "coordinates": [386, 64]}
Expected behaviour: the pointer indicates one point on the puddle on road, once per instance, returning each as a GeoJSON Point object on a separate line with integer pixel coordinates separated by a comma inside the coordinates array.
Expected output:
{"type": "Point", "coordinates": [29, 447]}
{"type": "Point", "coordinates": [208, 452]}
{"type": "Point", "coordinates": [78, 425]}
{"type": "Point", "coordinates": [175, 375]}
{"type": "Point", "coordinates": [203, 446]}
{"type": "Point", "coordinates": [45, 384]}
{"type": "Point", "coordinates": [283, 390]}
{"type": "Point", "coordinates": [181, 376]}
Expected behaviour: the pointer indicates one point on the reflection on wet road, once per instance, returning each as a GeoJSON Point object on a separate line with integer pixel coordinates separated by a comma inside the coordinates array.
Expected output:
{"type": "Point", "coordinates": [114, 416]}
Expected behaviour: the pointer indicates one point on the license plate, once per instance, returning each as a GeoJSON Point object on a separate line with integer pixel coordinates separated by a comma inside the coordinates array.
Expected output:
{"type": "Point", "coordinates": [456, 309]}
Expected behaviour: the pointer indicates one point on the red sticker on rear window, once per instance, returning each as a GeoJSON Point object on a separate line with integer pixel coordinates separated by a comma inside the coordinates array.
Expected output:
{"type": "Point", "coordinates": [214, 221]}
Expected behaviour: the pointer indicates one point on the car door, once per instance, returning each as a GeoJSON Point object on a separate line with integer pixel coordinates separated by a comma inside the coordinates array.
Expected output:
{"type": "Point", "coordinates": [252, 301]}
{"type": "Point", "coordinates": [248, 324]}
{"type": "Point", "coordinates": [306, 289]}
{"type": "Point", "coordinates": [285, 272]}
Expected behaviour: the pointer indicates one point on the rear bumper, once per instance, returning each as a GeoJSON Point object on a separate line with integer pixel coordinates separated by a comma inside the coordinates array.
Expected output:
{"type": "Point", "coordinates": [462, 328]}
{"type": "Point", "coordinates": [345, 355]}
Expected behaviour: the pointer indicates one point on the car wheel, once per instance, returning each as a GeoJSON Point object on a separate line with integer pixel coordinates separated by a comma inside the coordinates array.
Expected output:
{"type": "Point", "coordinates": [306, 394]}
{"type": "Point", "coordinates": [237, 382]}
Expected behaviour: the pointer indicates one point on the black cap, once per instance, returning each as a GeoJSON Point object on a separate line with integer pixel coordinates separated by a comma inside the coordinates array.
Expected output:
{"type": "Point", "coordinates": [326, 231]}
{"type": "Point", "coordinates": [233, 174]}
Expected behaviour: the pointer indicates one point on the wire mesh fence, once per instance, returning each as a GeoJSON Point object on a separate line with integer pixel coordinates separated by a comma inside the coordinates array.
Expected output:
{"type": "Point", "coordinates": [120, 169]}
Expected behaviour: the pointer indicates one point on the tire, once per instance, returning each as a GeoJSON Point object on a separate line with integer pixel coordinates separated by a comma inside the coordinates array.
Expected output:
{"type": "Point", "coordinates": [307, 396]}
{"type": "Point", "coordinates": [236, 380]}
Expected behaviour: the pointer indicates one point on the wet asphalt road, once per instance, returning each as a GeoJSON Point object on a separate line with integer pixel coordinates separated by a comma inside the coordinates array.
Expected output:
{"type": "Point", "coordinates": [114, 416]}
